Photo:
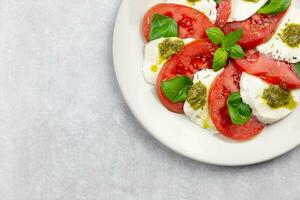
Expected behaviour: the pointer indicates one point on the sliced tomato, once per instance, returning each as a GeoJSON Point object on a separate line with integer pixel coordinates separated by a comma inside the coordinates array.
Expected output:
{"type": "Point", "coordinates": [257, 29]}
{"type": "Point", "coordinates": [192, 23]}
{"type": "Point", "coordinates": [270, 70]}
{"type": "Point", "coordinates": [223, 12]}
{"type": "Point", "coordinates": [224, 85]}
{"type": "Point", "coordinates": [193, 57]}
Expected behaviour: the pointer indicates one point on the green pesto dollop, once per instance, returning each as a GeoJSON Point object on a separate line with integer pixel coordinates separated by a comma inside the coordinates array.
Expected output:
{"type": "Point", "coordinates": [254, 1]}
{"type": "Point", "coordinates": [197, 95]}
{"type": "Point", "coordinates": [277, 97]}
{"type": "Point", "coordinates": [193, 1]}
{"type": "Point", "coordinates": [154, 68]}
{"type": "Point", "coordinates": [291, 35]}
{"type": "Point", "coordinates": [169, 47]}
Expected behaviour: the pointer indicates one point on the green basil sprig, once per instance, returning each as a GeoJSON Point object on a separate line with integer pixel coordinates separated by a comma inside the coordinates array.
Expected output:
{"type": "Point", "coordinates": [297, 68]}
{"type": "Point", "coordinates": [163, 26]}
{"type": "Point", "coordinates": [176, 89]}
{"type": "Point", "coordinates": [232, 38]}
{"type": "Point", "coordinates": [215, 35]}
{"type": "Point", "coordinates": [220, 59]}
{"type": "Point", "coordinates": [275, 6]}
{"type": "Point", "coordinates": [236, 51]}
{"type": "Point", "coordinates": [228, 48]}
{"type": "Point", "coordinates": [239, 112]}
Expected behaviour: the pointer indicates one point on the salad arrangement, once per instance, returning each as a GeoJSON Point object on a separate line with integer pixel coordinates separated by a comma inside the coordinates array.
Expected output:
{"type": "Point", "coordinates": [231, 66]}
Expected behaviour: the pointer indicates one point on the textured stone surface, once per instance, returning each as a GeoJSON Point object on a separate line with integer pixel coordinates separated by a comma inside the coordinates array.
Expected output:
{"type": "Point", "coordinates": [67, 134]}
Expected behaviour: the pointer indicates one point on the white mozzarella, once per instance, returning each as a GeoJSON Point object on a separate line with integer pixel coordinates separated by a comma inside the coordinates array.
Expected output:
{"type": "Point", "coordinates": [152, 61]}
{"type": "Point", "coordinates": [242, 10]}
{"type": "Point", "coordinates": [252, 89]}
{"type": "Point", "coordinates": [201, 116]}
{"type": "Point", "coordinates": [276, 48]}
{"type": "Point", "coordinates": [207, 7]}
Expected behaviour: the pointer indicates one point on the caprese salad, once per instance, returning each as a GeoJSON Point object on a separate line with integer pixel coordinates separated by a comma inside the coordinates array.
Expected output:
{"type": "Point", "coordinates": [231, 66]}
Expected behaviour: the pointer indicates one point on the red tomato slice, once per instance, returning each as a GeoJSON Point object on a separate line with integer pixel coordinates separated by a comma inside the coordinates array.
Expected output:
{"type": "Point", "coordinates": [270, 70]}
{"type": "Point", "coordinates": [227, 83]}
{"type": "Point", "coordinates": [223, 10]}
{"type": "Point", "coordinates": [257, 29]}
{"type": "Point", "coordinates": [193, 57]}
{"type": "Point", "coordinates": [192, 23]}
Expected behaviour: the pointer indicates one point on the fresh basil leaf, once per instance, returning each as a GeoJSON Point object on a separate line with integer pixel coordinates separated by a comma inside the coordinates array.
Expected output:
{"type": "Point", "coordinates": [232, 38]}
{"type": "Point", "coordinates": [244, 110]}
{"type": "Point", "coordinates": [163, 26]}
{"type": "Point", "coordinates": [236, 51]}
{"type": "Point", "coordinates": [297, 68]}
{"type": "Point", "coordinates": [275, 6]}
{"type": "Point", "coordinates": [176, 89]}
{"type": "Point", "coordinates": [239, 112]}
{"type": "Point", "coordinates": [220, 59]}
{"type": "Point", "coordinates": [215, 34]}
{"type": "Point", "coordinates": [235, 99]}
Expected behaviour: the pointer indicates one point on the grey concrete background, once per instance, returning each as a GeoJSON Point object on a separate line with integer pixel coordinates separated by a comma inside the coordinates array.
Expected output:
{"type": "Point", "coordinates": [67, 134]}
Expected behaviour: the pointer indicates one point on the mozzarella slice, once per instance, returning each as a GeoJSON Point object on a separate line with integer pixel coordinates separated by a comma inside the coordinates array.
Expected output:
{"type": "Point", "coordinates": [276, 48]}
{"type": "Point", "coordinates": [207, 7]}
{"type": "Point", "coordinates": [242, 10]}
{"type": "Point", "coordinates": [252, 89]}
{"type": "Point", "coordinates": [152, 61]}
{"type": "Point", "coordinates": [201, 116]}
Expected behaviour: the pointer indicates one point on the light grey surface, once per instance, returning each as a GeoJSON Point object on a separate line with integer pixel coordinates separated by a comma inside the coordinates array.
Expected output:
{"type": "Point", "coordinates": [67, 134]}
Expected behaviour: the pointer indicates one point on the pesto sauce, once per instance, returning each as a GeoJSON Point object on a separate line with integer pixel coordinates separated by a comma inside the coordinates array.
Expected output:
{"type": "Point", "coordinates": [291, 35]}
{"type": "Point", "coordinates": [154, 68]}
{"type": "Point", "coordinates": [169, 47]}
{"type": "Point", "coordinates": [277, 97]}
{"type": "Point", "coordinates": [254, 1]}
{"type": "Point", "coordinates": [205, 124]}
{"type": "Point", "coordinates": [193, 1]}
{"type": "Point", "coordinates": [197, 95]}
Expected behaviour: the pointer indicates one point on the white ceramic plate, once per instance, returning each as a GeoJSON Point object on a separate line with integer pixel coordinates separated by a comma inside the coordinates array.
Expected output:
{"type": "Point", "coordinates": [177, 131]}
